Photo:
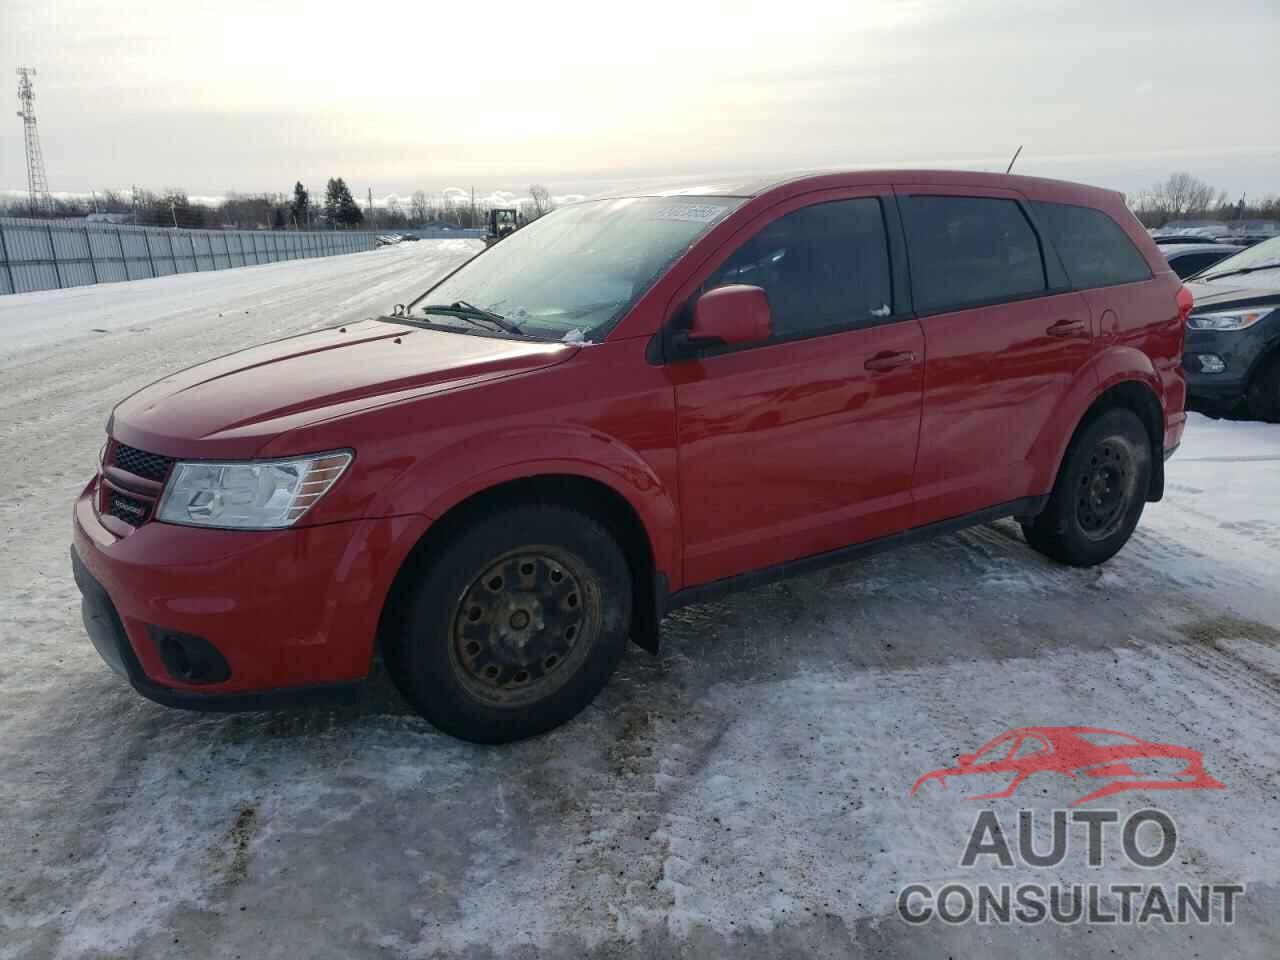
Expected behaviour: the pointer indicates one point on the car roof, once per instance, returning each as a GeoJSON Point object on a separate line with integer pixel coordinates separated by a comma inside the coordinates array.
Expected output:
{"type": "Point", "coordinates": [1174, 249]}
{"type": "Point", "coordinates": [1173, 238]}
{"type": "Point", "coordinates": [803, 180]}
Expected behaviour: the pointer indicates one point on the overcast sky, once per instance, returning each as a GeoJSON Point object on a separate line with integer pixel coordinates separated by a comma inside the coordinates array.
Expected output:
{"type": "Point", "coordinates": [250, 95]}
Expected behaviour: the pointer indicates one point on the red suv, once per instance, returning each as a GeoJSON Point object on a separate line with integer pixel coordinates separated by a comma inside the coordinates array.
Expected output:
{"type": "Point", "coordinates": [629, 405]}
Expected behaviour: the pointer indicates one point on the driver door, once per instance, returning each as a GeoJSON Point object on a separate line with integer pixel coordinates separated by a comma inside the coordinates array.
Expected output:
{"type": "Point", "coordinates": [807, 442]}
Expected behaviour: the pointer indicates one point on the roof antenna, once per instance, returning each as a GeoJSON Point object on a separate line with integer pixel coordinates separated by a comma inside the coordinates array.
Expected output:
{"type": "Point", "coordinates": [1014, 160]}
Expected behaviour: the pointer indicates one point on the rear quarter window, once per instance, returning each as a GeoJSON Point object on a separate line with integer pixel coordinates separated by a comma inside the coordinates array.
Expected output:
{"type": "Point", "coordinates": [1095, 250]}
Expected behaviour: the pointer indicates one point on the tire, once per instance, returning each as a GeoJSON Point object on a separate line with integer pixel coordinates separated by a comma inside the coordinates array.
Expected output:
{"type": "Point", "coordinates": [1263, 398]}
{"type": "Point", "coordinates": [1100, 492]}
{"type": "Point", "coordinates": [515, 625]}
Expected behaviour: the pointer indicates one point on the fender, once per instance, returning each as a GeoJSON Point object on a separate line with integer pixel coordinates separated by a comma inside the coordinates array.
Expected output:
{"type": "Point", "coordinates": [438, 483]}
{"type": "Point", "coordinates": [1112, 365]}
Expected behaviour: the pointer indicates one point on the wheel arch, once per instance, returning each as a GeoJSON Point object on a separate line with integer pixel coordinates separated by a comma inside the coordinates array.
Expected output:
{"type": "Point", "coordinates": [1139, 396]}
{"type": "Point", "coordinates": [1269, 354]}
{"type": "Point", "coordinates": [603, 501]}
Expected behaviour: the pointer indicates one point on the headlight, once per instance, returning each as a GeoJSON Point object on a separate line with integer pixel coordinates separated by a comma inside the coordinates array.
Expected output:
{"type": "Point", "coordinates": [249, 494]}
{"type": "Point", "coordinates": [1228, 320]}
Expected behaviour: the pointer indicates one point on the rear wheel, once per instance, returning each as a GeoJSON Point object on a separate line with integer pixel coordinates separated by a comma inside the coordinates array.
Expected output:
{"type": "Point", "coordinates": [1101, 491]}
{"type": "Point", "coordinates": [515, 626]}
{"type": "Point", "coordinates": [1264, 392]}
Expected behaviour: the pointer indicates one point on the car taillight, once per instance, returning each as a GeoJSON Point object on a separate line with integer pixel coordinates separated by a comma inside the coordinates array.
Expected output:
{"type": "Point", "coordinates": [1185, 302]}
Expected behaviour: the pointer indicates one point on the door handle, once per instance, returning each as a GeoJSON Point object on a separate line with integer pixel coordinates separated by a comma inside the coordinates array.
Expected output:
{"type": "Point", "coordinates": [1065, 328]}
{"type": "Point", "coordinates": [889, 360]}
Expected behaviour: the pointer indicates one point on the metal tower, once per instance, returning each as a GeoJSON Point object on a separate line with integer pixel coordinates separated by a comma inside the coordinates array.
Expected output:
{"type": "Point", "coordinates": [37, 182]}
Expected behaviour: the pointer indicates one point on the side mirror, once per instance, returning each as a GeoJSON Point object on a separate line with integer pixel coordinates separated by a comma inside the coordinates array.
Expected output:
{"type": "Point", "coordinates": [731, 315]}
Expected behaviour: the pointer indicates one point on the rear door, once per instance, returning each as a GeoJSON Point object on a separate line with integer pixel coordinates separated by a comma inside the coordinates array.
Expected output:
{"type": "Point", "coordinates": [807, 442]}
{"type": "Point", "coordinates": [1004, 339]}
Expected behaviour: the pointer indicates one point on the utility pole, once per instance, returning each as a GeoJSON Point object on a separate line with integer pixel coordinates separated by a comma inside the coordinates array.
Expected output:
{"type": "Point", "coordinates": [473, 205]}
{"type": "Point", "coordinates": [37, 181]}
{"type": "Point", "coordinates": [371, 223]}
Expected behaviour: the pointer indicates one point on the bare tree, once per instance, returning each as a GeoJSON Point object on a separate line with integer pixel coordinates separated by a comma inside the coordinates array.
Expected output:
{"type": "Point", "coordinates": [1180, 195]}
{"type": "Point", "coordinates": [540, 196]}
{"type": "Point", "coordinates": [418, 206]}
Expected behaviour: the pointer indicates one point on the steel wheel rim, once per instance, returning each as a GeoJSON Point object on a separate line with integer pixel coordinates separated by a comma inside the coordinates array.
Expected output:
{"type": "Point", "coordinates": [1105, 489]}
{"type": "Point", "coordinates": [524, 625]}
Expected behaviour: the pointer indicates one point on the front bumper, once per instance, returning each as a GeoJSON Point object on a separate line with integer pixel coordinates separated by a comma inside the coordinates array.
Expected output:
{"type": "Point", "coordinates": [1239, 350]}
{"type": "Point", "coordinates": [293, 614]}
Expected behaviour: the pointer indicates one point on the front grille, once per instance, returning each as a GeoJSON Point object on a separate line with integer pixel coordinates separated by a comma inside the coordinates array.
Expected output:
{"type": "Point", "coordinates": [149, 466]}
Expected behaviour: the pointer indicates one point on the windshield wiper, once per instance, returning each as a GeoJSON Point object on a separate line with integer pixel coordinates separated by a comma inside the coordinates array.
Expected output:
{"type": "Point", "coordinates": [472, 313]}
{"type": "Point", "coordinates": [1238, 270]}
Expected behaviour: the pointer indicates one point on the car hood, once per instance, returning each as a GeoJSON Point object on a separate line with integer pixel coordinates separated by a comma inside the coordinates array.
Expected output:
{"type": "Point", "coordinates": [232, 406]}
{"type": "Point", "coordinates": [1241, 290]}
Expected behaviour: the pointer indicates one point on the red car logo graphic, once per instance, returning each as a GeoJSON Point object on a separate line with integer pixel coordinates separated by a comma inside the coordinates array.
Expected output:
{"type": "Point", "coordinates": [1078, 752]}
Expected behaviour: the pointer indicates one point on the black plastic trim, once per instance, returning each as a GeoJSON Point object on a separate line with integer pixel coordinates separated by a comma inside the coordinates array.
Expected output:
{"type": "Point", "coordinates": [320, 694]}
{"type": "Point", "coordinates": [189, 658]}
{"type": "Point", "coordinates": [1024, 507]}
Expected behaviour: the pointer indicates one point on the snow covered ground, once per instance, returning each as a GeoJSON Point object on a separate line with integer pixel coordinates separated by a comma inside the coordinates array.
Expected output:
{"type": "Point", "coordinates": [744, 794]}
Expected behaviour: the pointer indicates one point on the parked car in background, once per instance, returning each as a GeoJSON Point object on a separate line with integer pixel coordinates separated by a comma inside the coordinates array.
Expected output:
{"type": "Point", "coordinates": [1233, 334]}
{"type": "Point", "coordinates": [1167, 239]}
{"type": "Point", "coordinates": [1249, 239]}
{"type": "Point", "coordinates": [1190, 258]}
{"type": "Point", "coordinates": [629, 405]}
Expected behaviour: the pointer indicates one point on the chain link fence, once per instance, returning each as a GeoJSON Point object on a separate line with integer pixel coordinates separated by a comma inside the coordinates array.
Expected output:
{"type": "Point", "coordinates": [51, 254]}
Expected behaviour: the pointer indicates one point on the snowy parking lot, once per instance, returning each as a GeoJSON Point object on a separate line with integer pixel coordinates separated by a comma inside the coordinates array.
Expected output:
{"type": "Point", "coordinates": [746, 793]}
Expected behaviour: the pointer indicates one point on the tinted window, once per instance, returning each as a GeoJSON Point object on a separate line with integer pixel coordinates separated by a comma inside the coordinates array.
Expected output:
{"type": "Point", "coordinates": [1189, 263]}
{"type": "Point", "coordinates": [1094, 248]}
{"type": "Point", "coordinates": [822, 267]}
{"type": "Point", "coordinates": [970, 250]}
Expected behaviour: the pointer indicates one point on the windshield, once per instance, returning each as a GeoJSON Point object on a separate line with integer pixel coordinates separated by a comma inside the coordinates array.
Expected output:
{"type": "Point", "coordinates": [1265, 254]}
{"type": "Point", "coordinates": [573, 273]}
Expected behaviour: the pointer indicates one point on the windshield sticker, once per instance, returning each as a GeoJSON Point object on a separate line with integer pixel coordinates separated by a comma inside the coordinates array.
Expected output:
{"type": "Point", "coordinates": [690, 212]}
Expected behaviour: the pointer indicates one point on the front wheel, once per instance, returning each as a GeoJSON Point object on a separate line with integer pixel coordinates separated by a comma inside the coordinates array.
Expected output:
{"type": "Point", "coordinates": [1101, 490]}
{"type": "Point", "coordinates": [515, 626]}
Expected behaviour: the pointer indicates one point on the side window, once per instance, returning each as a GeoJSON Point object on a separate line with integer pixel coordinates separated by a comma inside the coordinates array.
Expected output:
{"type": "Point", "coordinates": [1029, 747]}
{"type": "Point", "coordinates": [966, 251]}
{"type": "Point", "coordinates": [823, 267]}
{"type": "Point", "coordinates": [1094, 248]}
{"type": "Point", "coordinates": [1103, 738]}
{"type": "Point", "coordinates": [1193, 263]}
{"type": "Point", "coordinates": [996, 751]}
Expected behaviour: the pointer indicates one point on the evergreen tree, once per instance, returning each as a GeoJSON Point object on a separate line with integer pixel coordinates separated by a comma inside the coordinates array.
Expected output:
{"type": "Point", "coordinates": [339, 205]}
{"type": "Point", "coordinates": [301, 205]}
{"type": "Point", "coordinates": [277, 219]}
{"type": "Point", "coordinates": [332, 200]}
{"type": "Point", "coordinates": [349, 211]}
